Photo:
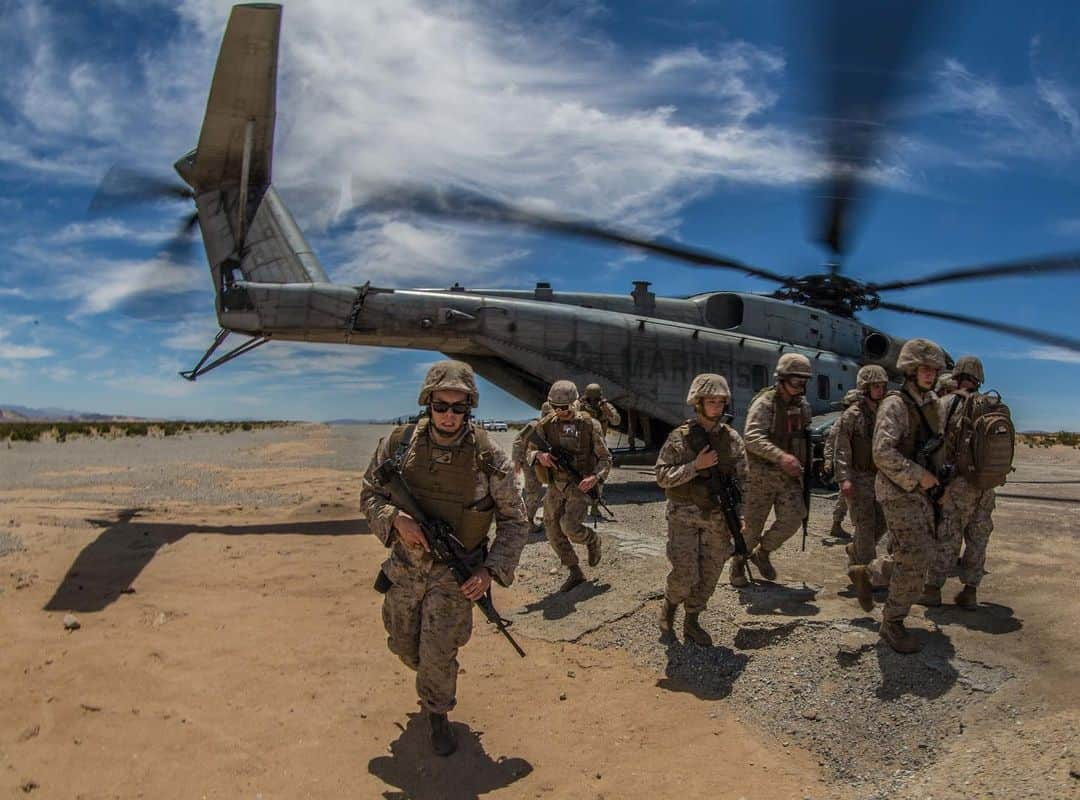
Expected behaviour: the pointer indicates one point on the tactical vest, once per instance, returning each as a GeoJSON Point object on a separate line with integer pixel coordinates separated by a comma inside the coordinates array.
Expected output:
{"type": "Point", "coordinates": [917, 433]}
{"type": "Point", "coordinates": [575, 436]}
{"type": "Point", "coordinates": [596, 412]}
{"type": "Point", "coordinates": [862, 440]}
{"type": "Point", "coordinates": [443, 479]}
{"type": "Point", "coordinates": [789, 425]}
{"type": "Point", "coordinates": [696, 491]}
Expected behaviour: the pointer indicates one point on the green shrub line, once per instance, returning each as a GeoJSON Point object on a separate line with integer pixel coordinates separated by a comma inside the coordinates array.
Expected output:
{"type": "Point", "coordinates": [1065, 438]}
{"type": "Point", "coordinates": [60, 431]}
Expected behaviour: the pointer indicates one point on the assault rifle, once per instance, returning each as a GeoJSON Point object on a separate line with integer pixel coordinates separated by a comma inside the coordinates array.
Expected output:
{"type": "Point", "coordinates": [566, 464]}
{"type": "Point", "coordinates": [724, 490]}
{"type": "Point", "coordinates": [445, 547]}
{"type": "Point", "coordinates": [807, 472]}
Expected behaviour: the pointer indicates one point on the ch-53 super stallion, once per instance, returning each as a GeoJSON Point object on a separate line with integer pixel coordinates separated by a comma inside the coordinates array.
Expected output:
{"type": "Point", "coordinates": [644, 349]}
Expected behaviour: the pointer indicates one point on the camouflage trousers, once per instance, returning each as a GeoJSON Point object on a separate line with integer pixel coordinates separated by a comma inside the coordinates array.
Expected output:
{"type": "Point", "coordinates": [840, 510]}
{"type": "Point", "coordinates": [910, 519]}
{"type": "Point", "coordinates": [564, 521]}
{"type": "Point", "coordinates": [966, 518]}
{"type": "Point", "coordinates": [769, 489]}
{"type": "Point", "coordinates": [532, 493]}
{"type": "Point", "coordinates": [867, 516]}
{"type": "Point", "coordinates": [427, 619]}
{"type": "Point", "coordinates": [697, 548]}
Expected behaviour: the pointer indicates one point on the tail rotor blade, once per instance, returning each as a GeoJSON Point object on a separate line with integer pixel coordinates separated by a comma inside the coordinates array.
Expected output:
{"type": "Point", "coordinates": [122, 187]}
{"type": "Point", "coordinates": [1015, 330]}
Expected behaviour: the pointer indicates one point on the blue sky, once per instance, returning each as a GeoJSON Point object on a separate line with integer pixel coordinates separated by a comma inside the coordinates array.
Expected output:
{"type": "Point", "coordinates": [686, 119]}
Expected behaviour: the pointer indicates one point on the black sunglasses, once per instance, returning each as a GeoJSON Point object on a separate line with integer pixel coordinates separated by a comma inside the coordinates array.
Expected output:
{"type": "Point", "coordinates": [458, 408]}
{"type": "Point", "coordinates": [559, 408]}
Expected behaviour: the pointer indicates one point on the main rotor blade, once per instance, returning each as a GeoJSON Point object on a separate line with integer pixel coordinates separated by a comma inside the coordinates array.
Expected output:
{"type": "Point", "coordinates": [1039, 266]}
{"type": "Point", "coordinates": [865, 48]}
{"type": "Point", "coordinates": [1015, 330]}
{"type": "Point", "coordinates": [470, 206]}
{"type": "Point", "coordinates": [125, 187]}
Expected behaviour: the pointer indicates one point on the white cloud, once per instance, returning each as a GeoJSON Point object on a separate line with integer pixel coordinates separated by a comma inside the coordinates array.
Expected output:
{"type": "Point", "coordinates": [9, 351]}
{"type": "Point", "coordinates": [1061, 354]}
{"type": "Point", "coordinates": [1057, 98]}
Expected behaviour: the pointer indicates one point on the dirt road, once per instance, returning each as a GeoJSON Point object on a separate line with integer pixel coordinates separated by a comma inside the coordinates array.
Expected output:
{"type": "Point", "coordinates": [230, 646]}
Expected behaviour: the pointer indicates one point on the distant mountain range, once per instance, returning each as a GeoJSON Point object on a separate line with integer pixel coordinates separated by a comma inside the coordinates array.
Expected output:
{"type": "Point", "coordinates": [14, 413]}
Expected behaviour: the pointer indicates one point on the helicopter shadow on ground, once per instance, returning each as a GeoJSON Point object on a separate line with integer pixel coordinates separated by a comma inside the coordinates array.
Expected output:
{"type": "Point", "coordinates": [928, 673]}
{"type": "Point", "coordinates": [989, 618]}
{"type": "Point", "coordinates": [767, 597]}
{"type": "Point", "coordinates": [562, 604]}
{"type": "Point", "coordinates": [708, 673]}
{"type": "Point", "coordinates": [419, 774]}
{"type": "Point", "coordinates": [105, 569]}
{"type": "Point", "coordinates": [634, 492]}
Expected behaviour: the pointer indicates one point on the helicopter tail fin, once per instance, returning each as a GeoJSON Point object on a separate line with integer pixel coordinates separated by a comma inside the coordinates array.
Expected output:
{"type": "Point", "coordinates": [247, 230]}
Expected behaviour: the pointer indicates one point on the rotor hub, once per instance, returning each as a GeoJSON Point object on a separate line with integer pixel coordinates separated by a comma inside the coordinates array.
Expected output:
{"type": "Point", "coordinates": [830, 292]}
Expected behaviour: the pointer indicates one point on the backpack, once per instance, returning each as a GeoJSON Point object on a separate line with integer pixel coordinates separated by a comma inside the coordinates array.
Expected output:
{"type": "Point", "coordinates": [986, 440]}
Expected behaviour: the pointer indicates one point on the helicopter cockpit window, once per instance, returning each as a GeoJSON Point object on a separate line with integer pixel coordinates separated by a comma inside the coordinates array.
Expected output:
{"type": "Point", "coordinates": [823, 387]}
{"type": "Point", "coordinates": [759, 377]}
{"type": "Point", "coordinates": [724, 311]}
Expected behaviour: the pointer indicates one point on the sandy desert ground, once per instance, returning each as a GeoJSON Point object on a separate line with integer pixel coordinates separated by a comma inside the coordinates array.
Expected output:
{"type": "Point", "coordinates": [230, 645]}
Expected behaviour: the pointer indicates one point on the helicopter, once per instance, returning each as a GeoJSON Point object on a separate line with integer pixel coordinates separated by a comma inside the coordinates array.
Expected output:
{"type": "Point", "coordinates": [644, 349]}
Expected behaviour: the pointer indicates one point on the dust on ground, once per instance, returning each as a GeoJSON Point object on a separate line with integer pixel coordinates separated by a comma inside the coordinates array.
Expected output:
{"type": "Point", "coordinates": [230, 645]}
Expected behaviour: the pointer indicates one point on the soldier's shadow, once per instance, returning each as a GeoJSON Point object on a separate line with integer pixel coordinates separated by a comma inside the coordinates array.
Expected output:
{"type": "Point", "coordinates": [562, 604]}
{"type": "Point", "coordinates": [766, 597]}
{"type": "Point", "coordinates": [987, 618]}
{"type": "Point", "coordinates": [927, 674]}
{"type": "Point", "coordinates": [708, 673]}
{"type": "Point", "coordinates": [419, 774]}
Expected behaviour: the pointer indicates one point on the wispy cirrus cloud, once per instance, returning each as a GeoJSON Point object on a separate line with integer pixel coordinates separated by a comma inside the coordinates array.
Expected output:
{"type": "Point", "coordinates": [1059, 354]}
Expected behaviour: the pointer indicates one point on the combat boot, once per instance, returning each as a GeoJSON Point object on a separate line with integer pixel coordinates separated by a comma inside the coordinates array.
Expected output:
{"type": "Point", "coordinates": [838, 532]}
{"type": "Point", "coordinates": [738, 572]}
{"type": "Point", "coordinates": [966, 598]}
{"type": "Point", "coordinates": [667, 617]}
{"type": "Point", "coordinates": [693, 631]}
{"type": "Point", "coordinates": [443, 740]}
{"type": "Point", "coordinates": [864, 589]}
{"type": "Point", "coordinates": [760, 557]}
{"type": "Point", "coordinates": [930, 597]}
{"type": "Point", "coordinates": [898, 637]}
{"type": "Point", "coordinates": [576, 578]}
{"type": "Point", "coordinates": [594, 548]}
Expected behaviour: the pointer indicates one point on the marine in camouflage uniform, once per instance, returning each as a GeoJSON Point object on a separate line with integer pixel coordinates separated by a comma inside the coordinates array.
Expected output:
{"type": "Point", "coordinates": [828, 466]}
{"type": "Point", "coordinates": [906, 420]}
{"type": "Point", "coordinates": [532, 489]}
{"type": "Point", "coordinates": [966, 510]}
{"type": "Point", "coordinates": [566, 503]}
{"type": "Point", "coordinates": [457, 474]}
{"type": "Point", "coordinates": [699, 541]}
{"type": "Point", "coordinates": [854, 463]}
{"type": "Point", "coordinates": [594, 404]}
{"type": "Point", "coordinates": [776, 441]}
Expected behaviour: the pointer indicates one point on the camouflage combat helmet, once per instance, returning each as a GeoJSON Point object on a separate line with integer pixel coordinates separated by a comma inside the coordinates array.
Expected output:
{"type": "Point", "coordinates": [593, 391]}
{"type": "Point", "coordinates": [456, 375]}
{"type": "Point", "coordinates": [970, 366]}
{"type": "Point", "coordinates": [707, 385]}
{"type": "Point", "coordinates": [562, 393]}
{"type": "Point", "coordinates": [869, 374]}
{"type": "Point", "coordinates": [919, 353]}
{"type": "Point", "coordinates": [793, 365]}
